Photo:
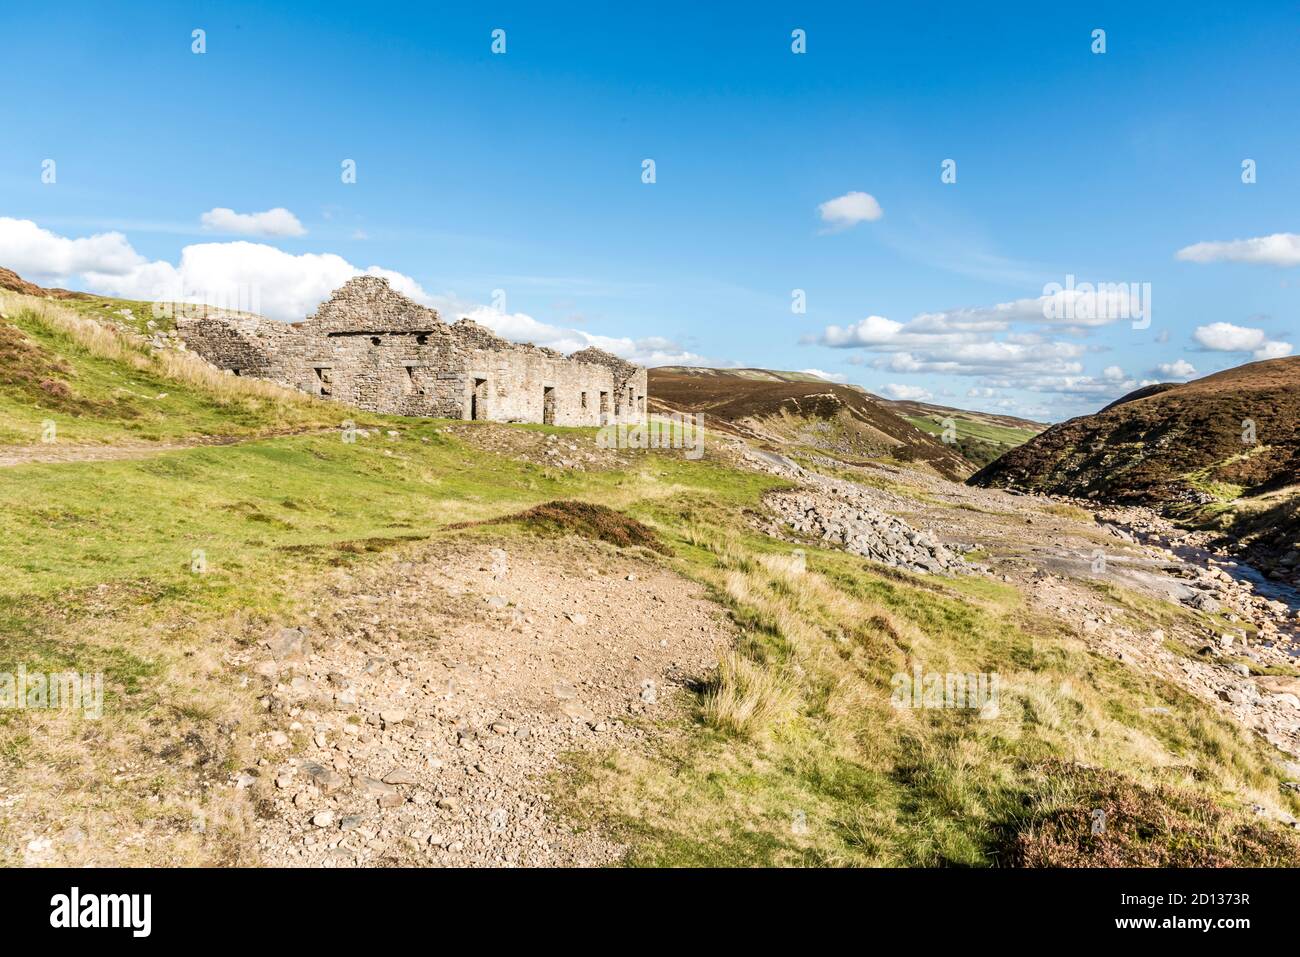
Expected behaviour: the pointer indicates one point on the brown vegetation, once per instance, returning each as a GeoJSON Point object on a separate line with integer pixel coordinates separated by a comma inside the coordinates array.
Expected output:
{"type": "Point", "coordinates": [1090, 817]}
{"type": "Point", "coordinates": [745, 405]}
{"type": "Point", "coordinates": [15, 283]}
{"type": "Point", "coordinates": [585, 519]}
{"type": "Point", "coordinates": [1164, 444]}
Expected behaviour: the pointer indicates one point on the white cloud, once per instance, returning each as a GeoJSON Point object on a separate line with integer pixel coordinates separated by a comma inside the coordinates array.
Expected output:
{"type": "Point", "coordinates": [828, 376]}
{"type": "Point", "coordinates": [1009, 345]}
{"type": "Point", "coordinates": [1279, 249]}
{"type": "Point", "coordinates": [1076, 386]}
{"type": "Point", "coordinates": [1227, 337]}
{"type": "Point", "coordinates": [1272, 350]}
{"type": "Point", "coordinates": [272, 222]}
{"type": "Point", "coordinates": [521, 327]}
{"type": "Point", "coordinates": [912, 393]}
{"type": "Point", "coordinates": [873, 330]}
{"type": "Point", "coordinates": [39, 254]}
{"type": "Point", "coordinates": [848, 210]}
{"type": "Point", "coordinates": [255, 277]}
{"type": "Point", "coordinates": [1179, 369]}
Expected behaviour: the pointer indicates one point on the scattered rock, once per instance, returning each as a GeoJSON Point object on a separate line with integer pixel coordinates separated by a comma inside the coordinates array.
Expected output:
{"type": "Point", "coordinates": [385, 794]}
{"type": "Point", "coordinates": [841, 514]}
{"type": "Point", "coordinates": [326, 779]}
{"type": "Point", "coordinates": [289, 644]}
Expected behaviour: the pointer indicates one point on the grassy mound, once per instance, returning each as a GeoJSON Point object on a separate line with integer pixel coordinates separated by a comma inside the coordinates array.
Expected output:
{"type": "Point", "coordinates": [583, 518]}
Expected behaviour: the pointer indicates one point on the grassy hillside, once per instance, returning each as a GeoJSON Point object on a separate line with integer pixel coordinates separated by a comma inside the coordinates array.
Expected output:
{"type": "Point", "coordinates": [78, 365]}
{"type": "Point", "coordinates": [980, 438]}
{"type": "Point", "coordinates": [1239, 428]}
{"type": "Point", "coordinates": [163, 571]}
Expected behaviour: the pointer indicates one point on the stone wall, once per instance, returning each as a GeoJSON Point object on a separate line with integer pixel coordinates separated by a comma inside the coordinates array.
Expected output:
{"type": "Point", "coordinates": [371, 347]}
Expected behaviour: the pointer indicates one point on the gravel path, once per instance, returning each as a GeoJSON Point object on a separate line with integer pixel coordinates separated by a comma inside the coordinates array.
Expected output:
{"type": "Point", "coordinates": [436, 698]}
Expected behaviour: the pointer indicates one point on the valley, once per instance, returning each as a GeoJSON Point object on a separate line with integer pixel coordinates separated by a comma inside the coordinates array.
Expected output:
{"type": "Point", "coordinates": [477, 644]}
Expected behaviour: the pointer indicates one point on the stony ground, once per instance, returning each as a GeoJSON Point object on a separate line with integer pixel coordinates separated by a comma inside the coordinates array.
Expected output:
{"type": "Point", "coordinates": [842, 514]}
{"type": "Point", "coordinates": [435, 697]}
{"type": "Point", "coordinates": [1061, 553]}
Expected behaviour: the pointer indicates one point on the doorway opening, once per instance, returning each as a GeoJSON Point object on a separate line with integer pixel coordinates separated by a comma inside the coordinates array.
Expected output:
{"type": "Point", "coordinates": [478, 400]}
{"type": "Point", "coordinates": [548, 405]}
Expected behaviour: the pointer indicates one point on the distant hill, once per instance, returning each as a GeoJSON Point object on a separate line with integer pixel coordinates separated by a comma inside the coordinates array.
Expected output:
{"type": "Point", "coordinates": [15, 283]}
{"type": "Point", "coordinates": [1213, 449]}
{"type": "Point", "coordinates": [757, 375]}
{"type": "Point", "coordinates": [800, 409]}
{"type": "Point", "coordinates": [981, 436]}
{"type": "Point", "coordinates": [1170, 442]}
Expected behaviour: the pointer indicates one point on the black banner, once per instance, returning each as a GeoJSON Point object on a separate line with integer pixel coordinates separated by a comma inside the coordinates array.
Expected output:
{"type": "Point", "coordinates": [337, 906]}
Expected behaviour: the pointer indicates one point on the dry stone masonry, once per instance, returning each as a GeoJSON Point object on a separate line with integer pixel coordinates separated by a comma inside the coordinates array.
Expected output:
{"type": "Point", "coordinates": [371, 347]}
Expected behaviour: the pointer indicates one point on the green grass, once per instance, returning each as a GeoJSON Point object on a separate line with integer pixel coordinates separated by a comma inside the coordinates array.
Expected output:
{"type": "Point", "coordinates": [980, 442]}
{"type": "Point", "coordinates": [256, 507]}
{"type": "Point", "coordinates": [985, 431]}
{"type": "Point", "coordinates": [844, 779]}
{"type": "Point", "coordinates": [144, 317]}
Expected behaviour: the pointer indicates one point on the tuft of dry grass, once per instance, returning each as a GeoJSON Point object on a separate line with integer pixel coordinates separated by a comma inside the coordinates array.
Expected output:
{"type": "Point", "coordinates": [746, 698]}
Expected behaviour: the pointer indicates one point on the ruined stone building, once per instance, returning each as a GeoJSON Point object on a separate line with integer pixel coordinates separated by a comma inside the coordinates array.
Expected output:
{"type": "Point", "coordinates": [373, 348]}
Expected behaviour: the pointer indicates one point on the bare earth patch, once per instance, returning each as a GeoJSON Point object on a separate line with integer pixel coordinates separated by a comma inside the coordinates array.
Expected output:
{"type": "Point", "coordinates": [438, 695]}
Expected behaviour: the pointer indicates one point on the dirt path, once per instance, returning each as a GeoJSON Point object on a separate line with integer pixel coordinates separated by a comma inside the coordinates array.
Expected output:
{"type": "Point", "coordinates": [55, 453]}
{"type": "Point", "coordinates": [58, 452]}
{"type": "Point", "coordinates": [440, 694]}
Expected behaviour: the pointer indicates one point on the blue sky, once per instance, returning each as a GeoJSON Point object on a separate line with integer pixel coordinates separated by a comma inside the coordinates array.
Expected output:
{"type": "Point", "coordinates": [522, 172]}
